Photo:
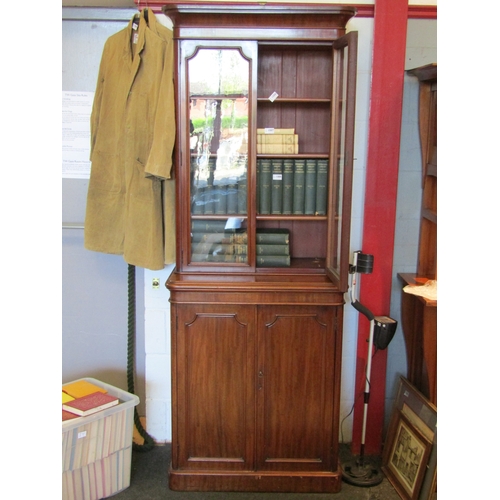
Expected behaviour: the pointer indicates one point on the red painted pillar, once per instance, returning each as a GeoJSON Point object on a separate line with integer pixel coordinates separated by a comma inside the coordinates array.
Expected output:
{"type": "Point", "coordinates": [386, 97]}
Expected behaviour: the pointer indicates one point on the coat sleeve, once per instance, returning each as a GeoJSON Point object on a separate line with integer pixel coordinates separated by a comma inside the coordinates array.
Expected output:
{"type": "Point", "coordinates": [159, 162]}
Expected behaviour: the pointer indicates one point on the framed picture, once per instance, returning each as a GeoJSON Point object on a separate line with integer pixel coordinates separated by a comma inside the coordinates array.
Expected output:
{"type": "Point", "coordinates": [414, 418]}
{"type": "Point", "coordinates": [408, 456]}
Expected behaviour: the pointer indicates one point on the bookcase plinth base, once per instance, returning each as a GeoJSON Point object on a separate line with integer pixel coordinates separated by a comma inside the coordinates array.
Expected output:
{"type": "Point", "coordinates": [256, 481]}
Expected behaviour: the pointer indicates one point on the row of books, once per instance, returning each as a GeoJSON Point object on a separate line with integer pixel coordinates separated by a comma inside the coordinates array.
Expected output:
{"type": "Point", "coordinates": [212, 242]}
{"type": "Point", "coordinates": [221, 198]}
{"type": "Point", "coordinates": [292, 186]}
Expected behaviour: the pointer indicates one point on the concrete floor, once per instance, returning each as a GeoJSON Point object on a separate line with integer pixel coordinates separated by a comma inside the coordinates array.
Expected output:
{"type": "Point", "coordinates": [149, 481]}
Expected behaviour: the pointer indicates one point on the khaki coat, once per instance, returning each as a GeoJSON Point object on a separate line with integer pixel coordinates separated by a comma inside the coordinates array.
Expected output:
{"type": "Point", "coordinates": [130, 202]}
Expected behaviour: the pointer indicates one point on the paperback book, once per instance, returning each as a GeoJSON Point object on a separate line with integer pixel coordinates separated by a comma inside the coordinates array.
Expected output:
{"type": "Point", "coordinates": [91, 403]}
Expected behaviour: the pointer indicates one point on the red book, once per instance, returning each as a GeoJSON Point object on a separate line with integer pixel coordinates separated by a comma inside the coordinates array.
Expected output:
{"type": "Point", "coordinates": [66, 415]}
{"type": "Point", "coordinates": [92, 403]}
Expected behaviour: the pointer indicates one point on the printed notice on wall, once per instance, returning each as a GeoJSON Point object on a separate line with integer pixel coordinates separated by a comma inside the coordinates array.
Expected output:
{"type": "Point", "coordinates": [76, 109]}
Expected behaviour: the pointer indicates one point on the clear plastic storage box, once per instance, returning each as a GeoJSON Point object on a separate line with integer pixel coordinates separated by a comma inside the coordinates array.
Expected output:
{"type": "Point", "coordinates": [97, 449]}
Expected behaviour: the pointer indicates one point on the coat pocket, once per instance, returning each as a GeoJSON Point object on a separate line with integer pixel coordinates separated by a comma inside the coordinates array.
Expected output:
{"type": "Point", "coordinates": [106, 173]}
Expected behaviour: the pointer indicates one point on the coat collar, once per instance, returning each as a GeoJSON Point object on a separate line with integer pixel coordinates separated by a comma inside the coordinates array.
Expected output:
{"type": "Point", "coordinates": [137, 28]}
{"type": "Point", "coordinates": [147, 20]}
{"type": "Point", "coordinates": [132, 52]}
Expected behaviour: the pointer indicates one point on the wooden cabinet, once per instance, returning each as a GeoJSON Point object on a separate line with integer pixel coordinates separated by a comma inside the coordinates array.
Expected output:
{"type": "Point", "coordinates": [419, 315]}
{"type": "Point", "coordinates": [265, 132]}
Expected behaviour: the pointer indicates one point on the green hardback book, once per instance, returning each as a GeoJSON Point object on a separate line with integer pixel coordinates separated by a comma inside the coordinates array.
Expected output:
{"type": "Point", "coordinates": [268, 249]}
{"type": "Point", "coordinates": [239, 238]}
{"type": "Point", "coordinates": [274, 236]}
{"type": "Point", "coordinates": [197, 206]}
{"type": "Point", "coordinates": [208, 226]}
{"type": "Point", "coordinates": [277, 187]}
{"type": "Point", "coordinates": [196, 257]}
{"type": "Point", "coordinates": [273, 261]}
{"type": "Point", "coordinates": [310, 187]}
{"type": "Point", "coordinates": [209, 206]}
{"type": "Point", "coordinates": [220, 199]}
{"type": "Point", "coordinates": [321, 187]}
{"type": "Point", "coordinates": [232, 198]}
{"type": "Point", "coordinates": [219, 248]}
{"type": "Point", "coordinates": [287, 187]}
{"type": "Point", "coordinates": [299, 179]}
{"type": "Point", "coordinates": [265, 181]}
{"type": "Point", "coordinates": [242, 195]}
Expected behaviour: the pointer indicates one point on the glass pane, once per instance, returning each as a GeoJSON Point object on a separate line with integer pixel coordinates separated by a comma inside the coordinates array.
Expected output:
{"type": "Point", "coordinates": [341, 161]}
{"type": "Point", "coordinates": [218, 93]}
{"type": "Point", "coordinates": [218, 240]}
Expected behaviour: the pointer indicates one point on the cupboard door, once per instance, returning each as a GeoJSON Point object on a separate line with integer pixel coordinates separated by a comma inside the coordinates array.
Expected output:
{"type": "Point", "coordinates": [214, 412]}
{"type": "Point", "coordinates": [296, 388]}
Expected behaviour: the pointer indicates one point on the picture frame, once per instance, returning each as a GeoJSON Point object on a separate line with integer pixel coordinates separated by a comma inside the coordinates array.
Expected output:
{"type": "Point", "coordinates": [408, 457]}
{"type": "Point", "coordinates": [419, 415]}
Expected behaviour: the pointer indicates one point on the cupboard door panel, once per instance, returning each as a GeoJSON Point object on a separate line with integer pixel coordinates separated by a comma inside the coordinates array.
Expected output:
{"type": "Point", "coordinates": [296, 391]}
{"type": "Point", "coordinates": [216, 400]}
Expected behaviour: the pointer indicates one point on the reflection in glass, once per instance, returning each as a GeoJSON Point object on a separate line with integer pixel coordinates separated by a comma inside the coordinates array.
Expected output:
{"type": "Point", "coordinates": [218, 93]}
{"type": "Point", "coordinates": [341, 161]}
{"type": "Point", "coordinates": [218, 240]}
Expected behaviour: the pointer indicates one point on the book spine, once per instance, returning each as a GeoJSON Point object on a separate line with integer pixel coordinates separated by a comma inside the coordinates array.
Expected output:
{"type": "Point", "coordinates": [321, 187]}
{"type": "Point", "coordinates": [210, 249]}
{"type": "Point", "coordinates": [287, 187]}
{"type": "Point", "coordinates": [232, 198]}
{"type": "Point", "coordinates": [273, 261]}
{"type": "Point", "coordinates": [198, 201]}
{"type": "Point", "coordinates": [266, 249]}
{"type": "Point", "coordinates": [277, 187]}
{"type": "Point", "coordinates": [265, 179]}
{"type": "Point", "coordinates": [278, 149]}
{"type": "Point", "coordinates": [271, 130]}
{"type": "Point", "coordinates": [224, 238]}
{"type": "Point", "coordinates": [277, 139]}
{"type": "Point", "coordinates": [208, 226]}
{"type": "Point", "coordinates": [242, 195]}
{"type": "Point", "coordinates": [220, 199]}
{"type": "Point", "coordinates": [195, 257]}
{"type": "Point", "coordinates": [299, 178]}
{"type": "Point", "coordinates": [272, 239]}
{"type": "Point", "coordinates": [310, 187]}
{"type": "Point", "coordinates": [209, 200]}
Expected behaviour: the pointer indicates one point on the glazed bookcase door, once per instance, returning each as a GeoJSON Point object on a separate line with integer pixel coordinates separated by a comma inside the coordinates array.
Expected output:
{"type": "Point", "coordinates": [218, 95]}
{"type": "Point", "coordinates": [342, 144]}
